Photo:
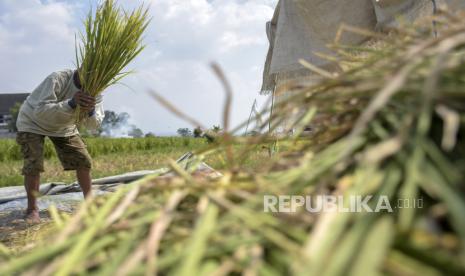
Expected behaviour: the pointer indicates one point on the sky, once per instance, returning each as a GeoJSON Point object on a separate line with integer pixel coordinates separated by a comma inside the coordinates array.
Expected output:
{"type": "Point", "coordinates": [37, 37]}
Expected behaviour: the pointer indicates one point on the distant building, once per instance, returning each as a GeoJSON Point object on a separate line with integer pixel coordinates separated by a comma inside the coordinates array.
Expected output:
{"type": "Point", "coordinates": [7, 101]}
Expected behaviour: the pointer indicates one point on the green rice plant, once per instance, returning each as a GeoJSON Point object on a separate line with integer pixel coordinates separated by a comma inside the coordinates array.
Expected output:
{"type": "Point", "coordinates": [111, 40]}
{"type": "Point", "coordinates": [97, 146]}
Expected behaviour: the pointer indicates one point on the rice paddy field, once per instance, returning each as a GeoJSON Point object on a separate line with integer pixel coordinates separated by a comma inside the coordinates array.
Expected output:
{"type": "Point", "coordinates": [10, 151]}
{"type": "Point", "coordinates": [112, 156]}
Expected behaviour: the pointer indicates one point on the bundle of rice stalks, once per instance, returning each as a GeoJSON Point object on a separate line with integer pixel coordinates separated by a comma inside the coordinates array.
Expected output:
{"type": "Point", "coordinates": [405, 104]}
{"type": "Point", "coordinates": [112, 39]}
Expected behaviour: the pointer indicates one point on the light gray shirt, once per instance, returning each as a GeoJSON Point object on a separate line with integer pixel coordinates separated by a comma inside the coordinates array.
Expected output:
{"type": "Point", "coordinates": [47, 112]}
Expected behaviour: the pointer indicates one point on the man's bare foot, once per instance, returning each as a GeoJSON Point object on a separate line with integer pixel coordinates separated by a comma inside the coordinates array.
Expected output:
{"type": "Point", "coordinates": [32, 217]}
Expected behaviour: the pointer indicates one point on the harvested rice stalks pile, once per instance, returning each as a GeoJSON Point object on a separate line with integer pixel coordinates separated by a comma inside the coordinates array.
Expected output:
{"type": "Point", "coordinates": [407, 142]}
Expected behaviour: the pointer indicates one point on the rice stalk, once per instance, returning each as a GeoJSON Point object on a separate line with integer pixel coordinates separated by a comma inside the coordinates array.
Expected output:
{"type": "Point", "coordinates": [112, 38]}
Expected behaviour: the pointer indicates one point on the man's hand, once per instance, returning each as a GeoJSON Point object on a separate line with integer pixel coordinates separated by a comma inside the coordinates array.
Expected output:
{"type": "Point", "coordinates": [85, 101]}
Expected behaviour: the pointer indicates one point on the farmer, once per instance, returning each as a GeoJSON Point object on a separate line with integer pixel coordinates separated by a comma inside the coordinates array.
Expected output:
{"type": "Point", "coordinates": [50, 111]}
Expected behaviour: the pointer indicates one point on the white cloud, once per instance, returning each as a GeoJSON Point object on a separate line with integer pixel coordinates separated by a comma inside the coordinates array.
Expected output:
{"type": "Point", "coordinates": [183, 38]}
{"type": "Point", "coordinates": [36, 39]}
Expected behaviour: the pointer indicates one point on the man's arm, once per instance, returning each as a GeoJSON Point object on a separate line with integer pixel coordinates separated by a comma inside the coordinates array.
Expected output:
{"type": "Point", "coordinates": [48, 107]}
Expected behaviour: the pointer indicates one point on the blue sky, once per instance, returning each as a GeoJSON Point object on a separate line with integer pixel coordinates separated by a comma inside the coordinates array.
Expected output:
{"type": "Point", "coordinates": [37, 38]}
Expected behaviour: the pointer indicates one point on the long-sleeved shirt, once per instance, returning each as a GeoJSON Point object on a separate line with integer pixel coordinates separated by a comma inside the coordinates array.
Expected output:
{"type": "Point", "coordinates": [47, 112]}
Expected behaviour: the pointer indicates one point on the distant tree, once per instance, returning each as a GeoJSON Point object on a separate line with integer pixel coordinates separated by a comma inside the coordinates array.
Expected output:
{"type": "Point", "coordinates": [14, 111]}
{"type": "Point", "coordinates": [197, 132]}
{"type": "Point", "coordinates": [111, 118]}
{"type": "Point", "coordinates": [184, 132]}
{"type": "Point", "coordinates": [117, 124]}
{"type": "Point", "coordinates": [212, 134]}
{"type": "Point", "coordinates": [109, 121]}
{"type": "Point", "coordinates": [150, 135]}
{"type": "Point", "coordinates": [123, 117]}
{"type": "Point", "coordinates": [216, 129]}
{"type": "Point", "coordinates": [136, 132]}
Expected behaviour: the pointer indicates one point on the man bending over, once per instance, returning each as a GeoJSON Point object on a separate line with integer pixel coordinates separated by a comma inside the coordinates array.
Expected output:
{"type": "Point", "coordinates": [50, 111]}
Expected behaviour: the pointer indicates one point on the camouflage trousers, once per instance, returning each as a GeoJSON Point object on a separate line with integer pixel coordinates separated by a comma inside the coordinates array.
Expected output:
{"type": "Point", "coordinates": [71, 151]}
